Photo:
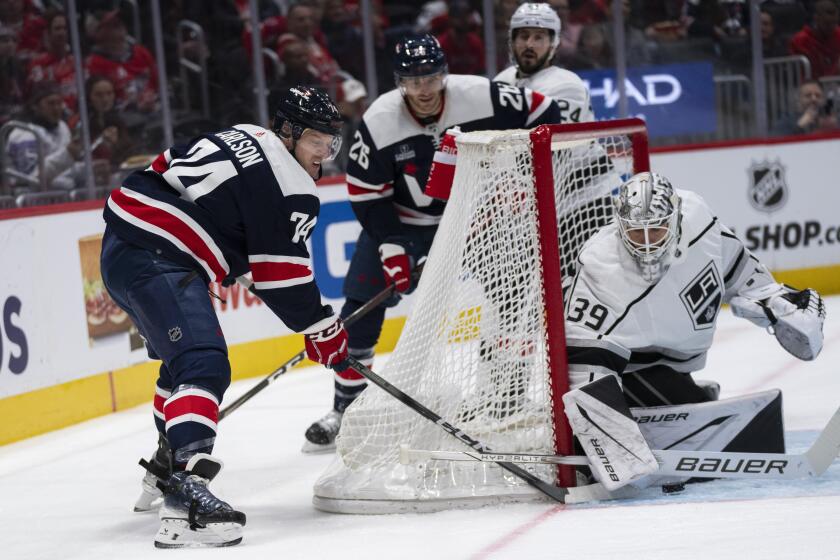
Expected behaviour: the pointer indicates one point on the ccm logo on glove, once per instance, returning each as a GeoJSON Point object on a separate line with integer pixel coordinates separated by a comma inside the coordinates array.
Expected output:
{"type": "Point", "coordinates": [397, 266]}
{"type": "Point", "coordinates": [329, 346]}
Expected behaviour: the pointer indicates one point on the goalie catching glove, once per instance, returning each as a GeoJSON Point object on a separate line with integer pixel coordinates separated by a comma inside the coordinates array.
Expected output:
{"type": "Point", "coordinates": [396, 265]}
{"type": "Point", "coordinates": [795, 317]}
{"type": "Point", "coordinates": [327, 343]}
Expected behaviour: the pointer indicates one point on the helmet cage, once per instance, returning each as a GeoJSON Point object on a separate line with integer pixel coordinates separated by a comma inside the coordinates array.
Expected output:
{"type": "Point", "coordinates": [651, 232]}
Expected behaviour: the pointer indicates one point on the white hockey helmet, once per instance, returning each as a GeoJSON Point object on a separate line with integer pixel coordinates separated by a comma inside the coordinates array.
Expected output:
{"type": "Point", "coordinates": [539, 15]}
{"type": "Point", "coordinates": [647, 211]}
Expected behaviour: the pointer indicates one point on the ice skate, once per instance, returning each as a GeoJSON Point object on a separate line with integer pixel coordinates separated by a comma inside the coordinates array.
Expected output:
{"type": "Point", "coordinates": [191, 516]}
{"type": "Point", "coordinates": [320, 436]}
{"type": "Point", "coordinates": [158, 471]}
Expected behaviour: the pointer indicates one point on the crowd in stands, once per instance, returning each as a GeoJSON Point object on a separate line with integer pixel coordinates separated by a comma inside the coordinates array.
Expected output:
{"type": "Point", "coordinates": [319, 43]}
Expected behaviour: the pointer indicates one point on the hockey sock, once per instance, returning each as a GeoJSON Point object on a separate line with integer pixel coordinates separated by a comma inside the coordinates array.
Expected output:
{"type": "Point", "coordinates": [191, 415]}
{"type": "Point", "coordinates": [349, 384]}
{"type": "Point", "coordinates": [161, 395]}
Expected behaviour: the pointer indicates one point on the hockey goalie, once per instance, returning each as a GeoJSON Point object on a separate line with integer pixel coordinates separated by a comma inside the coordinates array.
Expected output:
{"type": "Point", "coordinates": [640, 318]}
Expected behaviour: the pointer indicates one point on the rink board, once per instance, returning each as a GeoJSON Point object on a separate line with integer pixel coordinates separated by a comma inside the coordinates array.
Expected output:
{"type": "Point", "coordinates": [65, 357]}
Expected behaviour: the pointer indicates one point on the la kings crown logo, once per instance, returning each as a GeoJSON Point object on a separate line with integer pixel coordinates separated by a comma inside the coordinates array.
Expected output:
{"type": "Point", "coordinates": [702, 297]}
{"type": "Point", "coordinates": [767, 191]}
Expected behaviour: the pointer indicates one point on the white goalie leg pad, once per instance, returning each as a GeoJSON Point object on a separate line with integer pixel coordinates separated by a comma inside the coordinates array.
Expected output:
{"type": "Point", "coordinates": [608, 434]}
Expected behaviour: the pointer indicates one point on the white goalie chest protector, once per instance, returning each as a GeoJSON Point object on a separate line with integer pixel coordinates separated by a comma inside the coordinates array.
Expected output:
{"type": "Point", "coordinates": [671, 322]}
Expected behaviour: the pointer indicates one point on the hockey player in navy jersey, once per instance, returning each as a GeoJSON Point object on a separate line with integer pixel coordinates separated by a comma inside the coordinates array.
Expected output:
{"type": "Point", "coordinates": [389, 164]}
{"type": "Point", "coordinates": [227, 204]}
{"type": "Point", "coordinates": [641, 316]}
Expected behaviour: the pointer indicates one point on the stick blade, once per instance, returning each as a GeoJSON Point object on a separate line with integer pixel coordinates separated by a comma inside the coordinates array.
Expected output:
{"type": "Point", "coordinates": [827, 446]}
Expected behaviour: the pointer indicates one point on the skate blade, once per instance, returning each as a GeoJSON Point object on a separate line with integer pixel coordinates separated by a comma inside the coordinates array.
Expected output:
{"type": "Point", "coordinates": [176, 533]}
{"type": "Point", "coordinates": [317, 448]}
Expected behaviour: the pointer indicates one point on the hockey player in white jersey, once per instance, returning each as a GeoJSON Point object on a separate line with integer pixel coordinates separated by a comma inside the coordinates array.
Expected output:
{"type": "Point", "coordinates": [534, 34]}
{"type": "Point", "coordinates": [643, 307]}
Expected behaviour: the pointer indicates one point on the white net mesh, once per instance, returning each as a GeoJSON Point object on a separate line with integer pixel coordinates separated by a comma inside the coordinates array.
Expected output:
{"type": "Point", "coordinates": [474, 348]}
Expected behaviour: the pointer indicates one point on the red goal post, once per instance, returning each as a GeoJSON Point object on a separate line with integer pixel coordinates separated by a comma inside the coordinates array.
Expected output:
{"type": "Point", "coordinates": [542, 139]}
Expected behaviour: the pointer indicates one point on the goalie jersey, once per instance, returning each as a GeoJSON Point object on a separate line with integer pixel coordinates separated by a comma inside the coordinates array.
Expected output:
{"type": "Point", "coordinates": [392, 151]}
{"type": "Point", "coordinates": [226, 204]}
{"type": "Point", "coordinates": [616, 322]}
{"type": "Point", "coordinates": [564, 86]}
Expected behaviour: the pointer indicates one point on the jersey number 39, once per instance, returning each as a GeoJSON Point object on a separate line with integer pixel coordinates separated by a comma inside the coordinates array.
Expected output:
{"type": "Point", "coordinates": [594, 319]}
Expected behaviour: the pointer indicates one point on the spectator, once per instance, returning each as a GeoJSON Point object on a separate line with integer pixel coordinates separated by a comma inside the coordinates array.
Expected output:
{"type": "Point", "coordinates": [463, 47]}
{"type": "Point", "coordinates": [300, 25]}
{"type": "Point", "coordinates": [56, 64]}
{"type": "Point", "coordinates": [638, 48]}
{"type": "Point", "coordinates": [814, 112]}
{"type": "Point", "coordinates": [594, 51]}
{"type": "Point", "coordinates": [343, 39]}
{"type": "Point", "coordinates": [43, 112]}
{"type": "Point", "coordinates": [26, 24]}
{"type": "Point", "coordinates": [569, 33]}
{"type": "Point", "coordinates": [108, 132]}
{"type": "Point", "coordinates": [732, 19]}
{"type": "Point", "coordinates": [665, 21]}
{"type": "Point", "coordinates": [772, 45]}
{"type": "Point", "coordinates": [131, 68]}
{"type": "Point", "coordinates": [820, 42]}
{"type": "Point", "coordinates": [294, 54]}
{"type": "Point", "coordinates": [11, 75]}
{"type": "Point", "coordinates": [503, 11]}
{"type": "Point", "coordinates": [588, 12]}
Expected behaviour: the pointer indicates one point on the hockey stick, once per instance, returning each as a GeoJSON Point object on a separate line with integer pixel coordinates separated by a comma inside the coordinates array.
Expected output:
{"type": "Point", "coordinates": [554, 492]}
{"type": "Point", "coordinates": [694, 464]}
{"type": "Point", "coordinates": [299, 357]}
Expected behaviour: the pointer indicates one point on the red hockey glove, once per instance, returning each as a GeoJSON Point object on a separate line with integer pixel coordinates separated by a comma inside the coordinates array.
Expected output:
{"type": "Point", "coordinates": [396, 264]}
{"type": "Point", "coordinates": [442, 173]}
{"type": "Point", "coordinates": [329, 346]}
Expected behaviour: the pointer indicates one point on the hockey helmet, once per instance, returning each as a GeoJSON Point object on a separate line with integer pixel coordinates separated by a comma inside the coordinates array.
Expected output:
{"type": "Point", "coordinates": [539, 15]}
{"type": "Point", "coordinates": [647, 212]}
{"type": "Point", "coordinates": [535, 15]}
{"type": "Point", "coordinates": [419, 56]}
{"type": "Point", "coordinates": [300, 108]}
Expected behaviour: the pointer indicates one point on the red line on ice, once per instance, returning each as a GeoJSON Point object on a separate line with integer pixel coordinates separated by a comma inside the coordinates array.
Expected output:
{"type": "Point", "coordinates": [516, 533]}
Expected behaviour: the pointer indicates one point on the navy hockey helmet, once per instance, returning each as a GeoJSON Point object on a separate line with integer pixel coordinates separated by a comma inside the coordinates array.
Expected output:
{"type": "Point", "coordinates": [301, 107]}
{"type": "Point", "coordinates": [418, 56]}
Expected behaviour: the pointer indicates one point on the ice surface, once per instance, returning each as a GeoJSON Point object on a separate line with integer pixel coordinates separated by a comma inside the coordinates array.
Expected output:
{"type": "Point", "coordinates": [69, 494]}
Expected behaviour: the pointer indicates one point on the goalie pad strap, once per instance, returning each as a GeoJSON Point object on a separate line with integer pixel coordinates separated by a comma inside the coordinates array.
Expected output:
{"type": "Point", "coordinates": [608, 434]}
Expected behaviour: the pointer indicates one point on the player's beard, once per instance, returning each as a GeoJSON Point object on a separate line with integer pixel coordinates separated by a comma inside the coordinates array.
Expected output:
{"type": "Point", "coordinates": [528, 69]}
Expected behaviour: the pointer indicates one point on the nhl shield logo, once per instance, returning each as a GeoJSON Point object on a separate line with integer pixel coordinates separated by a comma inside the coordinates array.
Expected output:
{"type": "Point", "coordinates": [702, 297]}
{"type": "Point", "coordinates": [175, 334]}
{"type": "Point", "coordinates": [768, 189]}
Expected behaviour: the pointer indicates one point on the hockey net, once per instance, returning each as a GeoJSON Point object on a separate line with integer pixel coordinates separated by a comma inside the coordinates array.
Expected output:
{"type": "Point", "coordinates": [483, 345]}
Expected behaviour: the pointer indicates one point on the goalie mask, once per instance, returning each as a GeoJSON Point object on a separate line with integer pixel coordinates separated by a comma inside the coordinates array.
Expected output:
{"type": "Point", "coordinates": [647, 212]}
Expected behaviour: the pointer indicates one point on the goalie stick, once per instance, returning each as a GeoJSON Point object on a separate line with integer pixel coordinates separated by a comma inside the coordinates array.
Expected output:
{"type": "Point", "coordinates": [299, 357]}
{"type": "Point", "coordinates": [555, 492]}
{"type": "Point", "coordinates": [694, 464]}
